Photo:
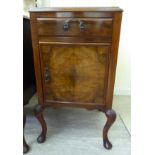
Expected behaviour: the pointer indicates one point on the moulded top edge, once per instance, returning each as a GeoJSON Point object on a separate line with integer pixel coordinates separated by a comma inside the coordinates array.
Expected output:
{"type": "Point", "coordinates": [75, 9]}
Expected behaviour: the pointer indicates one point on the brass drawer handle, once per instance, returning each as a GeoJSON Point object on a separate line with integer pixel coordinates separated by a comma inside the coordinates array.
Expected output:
{"type": "Point", "coordinates": [47, 77]}
{"type": "Point", "coordinates": [66, 25]}
{"type": "Point", "coordinates": [82, 26]}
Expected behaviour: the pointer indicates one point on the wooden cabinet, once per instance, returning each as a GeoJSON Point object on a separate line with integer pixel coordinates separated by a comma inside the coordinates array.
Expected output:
{"type": "Point", "coordinates": [75, 55]}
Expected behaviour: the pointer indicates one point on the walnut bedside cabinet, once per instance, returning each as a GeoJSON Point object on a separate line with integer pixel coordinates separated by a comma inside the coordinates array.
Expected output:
{"type": "Point", "coordinates": [75, 56]}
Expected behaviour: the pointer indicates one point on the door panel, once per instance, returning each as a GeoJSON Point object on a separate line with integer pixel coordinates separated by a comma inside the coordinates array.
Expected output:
{"type": "Point", "coordinates": [75, 73]}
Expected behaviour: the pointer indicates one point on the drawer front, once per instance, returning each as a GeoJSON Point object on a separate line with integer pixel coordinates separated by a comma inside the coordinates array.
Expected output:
{"type": "Point", "coordinates": [75, 73]}
{"type": "Point", "coordinates": [99, 27]}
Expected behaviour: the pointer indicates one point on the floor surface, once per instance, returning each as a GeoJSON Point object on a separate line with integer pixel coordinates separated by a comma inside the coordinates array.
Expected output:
{"type": "Point", "coordinates": [78, 131]}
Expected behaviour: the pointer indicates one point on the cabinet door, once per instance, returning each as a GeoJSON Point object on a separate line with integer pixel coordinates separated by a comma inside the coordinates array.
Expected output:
{"type": "Point", "coordinates": [74, 73]}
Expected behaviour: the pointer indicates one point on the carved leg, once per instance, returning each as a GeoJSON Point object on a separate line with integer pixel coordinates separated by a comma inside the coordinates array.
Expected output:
{"type": "Point", "coordinates": [38, 113]}
{"type": "Point", "coordinates": [111, 117]}
{"type": "Point", "coordinates": [25, 146]}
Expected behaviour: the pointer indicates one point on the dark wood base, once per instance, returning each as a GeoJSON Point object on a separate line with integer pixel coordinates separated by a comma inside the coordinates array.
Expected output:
{"type": "Point", "coordinates": [111, 117]}
{"type": "Point", "coordinates": [25, 145]}
{"type": "Point", "coordinates": [38, 113]}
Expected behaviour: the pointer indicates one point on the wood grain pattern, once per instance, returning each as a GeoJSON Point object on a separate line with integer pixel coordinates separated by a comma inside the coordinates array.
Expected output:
{"type": "Point", "coordinates": [36, 57]}
{"type": "Point", "coordinates": [77, 74]}
{"type": "Point", "coordinates": [75, 40]}
{"type": "Point", "coordinates": [94, 27]}
{"type": "Point", "coordinates": [113, 58]}
{"type": "Point", "coordinates": [61, 14]}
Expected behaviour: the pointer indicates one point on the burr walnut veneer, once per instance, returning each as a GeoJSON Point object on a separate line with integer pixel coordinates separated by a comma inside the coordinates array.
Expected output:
{"type": "Point", "coordinates": [75, 56]}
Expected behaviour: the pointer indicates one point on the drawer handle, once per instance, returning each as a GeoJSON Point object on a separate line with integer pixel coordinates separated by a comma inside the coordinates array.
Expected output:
{"type": "Point", "coordinates": [66, 25]}
{"type": "Point", "coordinates": [47, 77]}
{"type": "Point", "coordinates": [82, 26]}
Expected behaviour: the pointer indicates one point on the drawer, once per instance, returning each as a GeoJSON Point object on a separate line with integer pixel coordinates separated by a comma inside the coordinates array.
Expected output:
{"type": "Point", "coordinates": [92, 27]}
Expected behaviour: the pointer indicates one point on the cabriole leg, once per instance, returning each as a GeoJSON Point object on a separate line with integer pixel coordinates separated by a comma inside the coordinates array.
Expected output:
{"type": "Point", "coordinates": [111, 117]}
{"type": "Point", "coordinates": [25, 146]}
{"type": "Point", "coordinates": [38, 110]}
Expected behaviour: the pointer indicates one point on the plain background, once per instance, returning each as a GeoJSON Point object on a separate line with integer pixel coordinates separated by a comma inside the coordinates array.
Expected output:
{"type": "Point", "coordinates": [141, 44]}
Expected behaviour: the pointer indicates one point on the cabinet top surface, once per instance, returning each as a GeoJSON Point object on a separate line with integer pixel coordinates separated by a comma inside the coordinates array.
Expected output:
{"type": "Point", "coordinates": [76, 9]}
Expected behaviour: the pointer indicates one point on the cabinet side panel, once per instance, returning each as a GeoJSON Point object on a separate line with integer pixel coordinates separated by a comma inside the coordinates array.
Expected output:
{"type": "Point", "coordinates": [36, 57]}
{"type": "Point", "coordinates": [113, 58]}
